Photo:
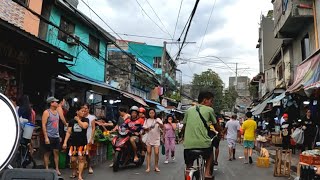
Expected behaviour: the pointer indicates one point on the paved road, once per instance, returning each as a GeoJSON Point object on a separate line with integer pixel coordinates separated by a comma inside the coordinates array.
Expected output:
{"type": "Point", "coordinates": [174, 170]}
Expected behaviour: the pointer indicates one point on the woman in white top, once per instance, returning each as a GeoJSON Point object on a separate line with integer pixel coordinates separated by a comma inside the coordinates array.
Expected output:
{"type": "Point", "coordinates": [90, 133]}
{"type": "Point", "coordinates": [152, 127]}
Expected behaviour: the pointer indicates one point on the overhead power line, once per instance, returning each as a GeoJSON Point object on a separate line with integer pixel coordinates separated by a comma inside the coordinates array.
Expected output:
{"type": "Point", "coordinates": [175, 28]}
{"type": "Point", "coordinates": [205, 32]}
{"type": "Point", "coordinates": [159, 19]}
{"type": "Point", "coordinates": [166, 32]}
{"type": "Point", "coordinates": [115, 44]}
{"type": "Point", "coordinates": [149, 37]}
{"type": "Point", "coordinates": [85, 46]}
{"type": "Point", "coordinates": [190, 21]}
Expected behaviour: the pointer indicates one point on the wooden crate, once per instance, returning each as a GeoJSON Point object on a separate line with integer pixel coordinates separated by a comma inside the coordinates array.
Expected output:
{"type": "Point", "coordinates": [276, 139]}
{"type": "Point", "coordinates": [282, 165]}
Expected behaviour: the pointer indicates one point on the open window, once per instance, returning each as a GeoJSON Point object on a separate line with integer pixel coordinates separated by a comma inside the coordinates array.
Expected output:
{"type": "Point", "coordinates": [157, 62]}
{"type": "Point", "coordinates": [68, 27]}
{"type": "Point", "coordinates": [94, 46]}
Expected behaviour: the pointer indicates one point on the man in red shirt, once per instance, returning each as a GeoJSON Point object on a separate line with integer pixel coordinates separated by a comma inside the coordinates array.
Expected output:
{"type": "Point", "coordinates": [134, 123]}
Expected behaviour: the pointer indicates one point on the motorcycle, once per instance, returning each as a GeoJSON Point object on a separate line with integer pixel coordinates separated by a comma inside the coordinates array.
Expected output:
{"type": "Point", "coordinates": [124, 155]}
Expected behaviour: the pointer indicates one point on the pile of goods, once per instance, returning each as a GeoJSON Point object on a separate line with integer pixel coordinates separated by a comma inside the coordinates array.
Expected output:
{"type": "Point", "coordinates": [310, 157]}
{"type": "Point", "coordinates": [102, 136]}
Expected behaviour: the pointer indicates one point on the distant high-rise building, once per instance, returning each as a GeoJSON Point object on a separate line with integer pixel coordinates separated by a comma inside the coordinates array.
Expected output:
{"type": "Point", "coordinates": [241, 85]}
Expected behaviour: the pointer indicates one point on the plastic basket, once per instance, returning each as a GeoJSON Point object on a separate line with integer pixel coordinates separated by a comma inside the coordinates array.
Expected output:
{"type": "Point", "coordinates": [263, 162]}
{"type": "Point", "coordinates": [314, 160]}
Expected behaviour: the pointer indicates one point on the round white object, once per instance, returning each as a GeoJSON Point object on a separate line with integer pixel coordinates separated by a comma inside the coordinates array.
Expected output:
{"type": "Point", "coordinates": [9, 131]}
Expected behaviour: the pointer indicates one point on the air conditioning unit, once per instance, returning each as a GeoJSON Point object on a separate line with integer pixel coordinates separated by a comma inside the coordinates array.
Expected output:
{"type": "Point", "coordinates": [73, 39]}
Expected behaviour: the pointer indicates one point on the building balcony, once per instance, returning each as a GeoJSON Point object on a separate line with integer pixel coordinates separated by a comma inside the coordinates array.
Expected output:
{"type": "Point", "coordinates": [291, 16]}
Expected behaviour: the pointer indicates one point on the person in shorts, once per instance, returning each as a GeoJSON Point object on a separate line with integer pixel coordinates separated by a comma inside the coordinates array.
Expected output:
{"type": "Point", "coordinates": [232, 129]}
{"type": "Point", "coordinates": [50, 129]}
{"type": "Point", "coordinates": [77, 129]}
{"type": "Point", "coordinates": [249, 128]}
{"type": "Point", "coordinates": [195, 133]}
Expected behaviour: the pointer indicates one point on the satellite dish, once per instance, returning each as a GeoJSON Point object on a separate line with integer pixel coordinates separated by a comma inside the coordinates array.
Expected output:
{"type": "Point", "coordinates": [9, 131]}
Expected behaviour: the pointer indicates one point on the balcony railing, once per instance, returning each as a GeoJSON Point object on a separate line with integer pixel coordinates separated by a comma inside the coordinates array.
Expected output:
{"type": "Point", "coordinates": [290, 16]}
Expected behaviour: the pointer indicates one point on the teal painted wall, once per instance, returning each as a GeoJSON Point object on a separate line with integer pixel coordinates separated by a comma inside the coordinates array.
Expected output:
{"type": "Point", "coordinates": [145, 52]}
{"type": "Point", "coordinates": [83, 63]}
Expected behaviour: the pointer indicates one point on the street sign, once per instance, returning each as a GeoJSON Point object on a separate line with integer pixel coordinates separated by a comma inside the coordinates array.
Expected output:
{"type": "Point", "coordinates": [9, 131]}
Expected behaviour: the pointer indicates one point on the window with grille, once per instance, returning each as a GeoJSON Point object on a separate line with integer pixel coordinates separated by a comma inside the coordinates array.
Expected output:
{"type": "Point", "coordinates": [157, 62]}
{"type": "Point", "coordinates": [94, 46]}
{"type": "Point", "coordinates": [67, 26]}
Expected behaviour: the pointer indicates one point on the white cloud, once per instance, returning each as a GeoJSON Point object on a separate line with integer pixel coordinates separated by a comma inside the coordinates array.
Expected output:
{"type": "Point", "coordinates": [232, 32]}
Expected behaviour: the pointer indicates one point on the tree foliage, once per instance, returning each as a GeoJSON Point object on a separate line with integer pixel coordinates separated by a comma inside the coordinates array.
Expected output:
{"type": "Point", "coordinates": [211, 81]}
{"type": "Point", "coordinates": [230, 97]}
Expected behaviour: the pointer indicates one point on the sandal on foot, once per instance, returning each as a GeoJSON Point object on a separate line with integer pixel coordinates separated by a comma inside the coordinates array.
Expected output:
{"type": "Point", "coordinates": [157, 170]}
{"type": "Point", "coordinates": [73, 176]}
{"type": "Point", "coordinates": [90, 171]}
{"type": "Point", "coordinates": [147, 170]}
{"type": "Point", "coordinates": [58, 173]}
{"type": "Point", "coordinates": [136, 160]}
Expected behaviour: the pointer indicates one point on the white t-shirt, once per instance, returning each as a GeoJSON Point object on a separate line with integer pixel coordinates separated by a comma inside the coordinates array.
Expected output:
{"type": "Point", "coordinates": [89, 130]}
{"type": "Point", "coordinates": [233, 128]}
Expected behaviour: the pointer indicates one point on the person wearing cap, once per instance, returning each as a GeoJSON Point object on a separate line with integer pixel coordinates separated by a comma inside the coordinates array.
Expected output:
{"type": "Point", "coordinates": [286, 131]}
{"type": "Point", "coordinates": [50, 128]}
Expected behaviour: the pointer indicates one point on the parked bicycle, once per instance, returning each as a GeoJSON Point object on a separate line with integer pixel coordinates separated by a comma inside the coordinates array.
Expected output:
{"type": "Point", "coordinates": [24, 156]}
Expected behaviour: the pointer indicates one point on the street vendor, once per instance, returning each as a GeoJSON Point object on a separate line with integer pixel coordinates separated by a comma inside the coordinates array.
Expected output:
{"type": "Point", "coordinates": [286, 131]}
{"type": "Point", "coordinates": [309, 126]}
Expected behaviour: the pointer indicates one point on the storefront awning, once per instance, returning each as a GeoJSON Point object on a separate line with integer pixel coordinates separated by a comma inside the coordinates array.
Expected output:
{"type": "Point", "coordinates": [307, 75]}
{"type": "Point", "coordinates": [162, 109]}
{"type": "Point", "coordinates": [260, 107]}
{"type": "Point", "coordinates": [152, 102]}
{"type": "Point", "coordinates": [134, 97]}
{"type": "Point", "coordinates": [277, 99]}
{"type": "Point", "coordinates": [86, 80]}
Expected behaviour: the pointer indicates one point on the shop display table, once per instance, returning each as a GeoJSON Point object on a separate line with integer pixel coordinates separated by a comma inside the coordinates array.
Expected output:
{"type": "Point", "coordinates": [276, 139]}
{"type": "Point", "coordinates": [300, 164]}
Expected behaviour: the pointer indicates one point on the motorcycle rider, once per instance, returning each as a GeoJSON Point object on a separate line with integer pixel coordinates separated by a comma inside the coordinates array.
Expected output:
{"type": "Point", "coordinates": [134, 123]}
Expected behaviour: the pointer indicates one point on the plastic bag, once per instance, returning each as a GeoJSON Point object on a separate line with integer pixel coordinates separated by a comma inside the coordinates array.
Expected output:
{"type": "Point", "coordinates": [298, 136]}
{"type": "Point", "coordinates": [144, 138]}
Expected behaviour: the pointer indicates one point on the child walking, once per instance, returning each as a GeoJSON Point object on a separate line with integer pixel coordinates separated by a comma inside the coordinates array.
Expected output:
{"type": "Point", "coordinates": [169, 137]}
{"type": "Point", "coordinates": [152, 127]}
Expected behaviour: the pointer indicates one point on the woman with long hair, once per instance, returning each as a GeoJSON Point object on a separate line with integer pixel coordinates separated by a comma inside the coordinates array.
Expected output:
{"type": "Point", "coordinates": [152, 127]}
{"type": "Point", "coordinates": [90, 133]}
{"type": "Point", "coordinates": [169, 129]}
{"type": "Point", "coordinates": [77, 128]}
{"type": "Point", "coordinates": [25, 110]}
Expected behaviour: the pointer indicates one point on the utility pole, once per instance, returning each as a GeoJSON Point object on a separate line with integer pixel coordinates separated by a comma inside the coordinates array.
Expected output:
{"type": "Point", "coordinates": [163, 63]}
{"type": "Point", "coordinates": [163, 59]}
{"type": "Point", "coordinates": [236, 84]}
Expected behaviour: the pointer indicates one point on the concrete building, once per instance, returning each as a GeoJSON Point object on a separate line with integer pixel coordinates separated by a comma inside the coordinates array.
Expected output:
{"type": "Point", "coordinates": [241, 85]}
{"type": "Point", "coordinates": [19, 16]}
{"type": "Point", "coordinates": [294, 25]}
{"type": "Point", "coordinates": [128, 78]}
{"type": "Point", "coordinates": [267, 45]}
